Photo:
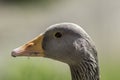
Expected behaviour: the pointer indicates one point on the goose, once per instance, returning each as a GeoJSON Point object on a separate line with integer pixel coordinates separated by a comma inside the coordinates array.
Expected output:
{"type": "Point", "coordinates": [67, 43]}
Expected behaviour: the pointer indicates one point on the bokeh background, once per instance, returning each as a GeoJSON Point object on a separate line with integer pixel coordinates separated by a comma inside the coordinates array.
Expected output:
{"type": "Point", "coordinates": [22, 20]}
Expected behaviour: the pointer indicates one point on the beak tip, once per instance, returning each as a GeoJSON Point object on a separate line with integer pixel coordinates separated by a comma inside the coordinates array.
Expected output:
{"type": "Point", "coordinates": [13, 54]}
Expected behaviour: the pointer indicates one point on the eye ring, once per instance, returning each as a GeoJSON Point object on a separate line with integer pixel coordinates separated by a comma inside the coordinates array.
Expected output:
{"type": "Point", "coordinates": [58, 35]}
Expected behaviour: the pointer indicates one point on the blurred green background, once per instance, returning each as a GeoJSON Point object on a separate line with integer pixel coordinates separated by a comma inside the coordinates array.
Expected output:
{"type": "Point", "coordinates": [22, 20]}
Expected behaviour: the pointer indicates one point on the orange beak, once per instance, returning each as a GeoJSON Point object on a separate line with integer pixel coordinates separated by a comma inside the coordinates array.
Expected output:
{"type": "Point", "coordinates": [32, 48]}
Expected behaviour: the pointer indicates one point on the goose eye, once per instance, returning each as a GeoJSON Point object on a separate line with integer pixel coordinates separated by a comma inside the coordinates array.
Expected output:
{"type": "Point", "coordinates": [58, 35]}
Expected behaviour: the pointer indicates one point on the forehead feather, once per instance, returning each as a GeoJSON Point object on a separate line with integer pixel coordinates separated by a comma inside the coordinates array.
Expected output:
{"type": "Point", "coordinates": [67, 27]}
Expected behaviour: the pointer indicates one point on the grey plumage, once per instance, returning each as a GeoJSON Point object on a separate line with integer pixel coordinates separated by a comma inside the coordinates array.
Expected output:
{"type": "Point", "coordinates": [75, 48]}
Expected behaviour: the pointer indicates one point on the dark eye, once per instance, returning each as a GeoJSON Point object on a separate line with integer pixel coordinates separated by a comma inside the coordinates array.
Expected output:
{"type": "Point", "coordinates": [58, 35]}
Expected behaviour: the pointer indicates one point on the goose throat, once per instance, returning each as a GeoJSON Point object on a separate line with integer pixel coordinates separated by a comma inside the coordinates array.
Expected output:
{"type": "Point", "coordinates": [85, 71]}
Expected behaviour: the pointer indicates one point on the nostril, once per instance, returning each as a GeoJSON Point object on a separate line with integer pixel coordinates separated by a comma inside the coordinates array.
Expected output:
{"type": "Point", "coordinates": [13, 54]}
{"type": "Point", "coordinates": [30, 44]}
